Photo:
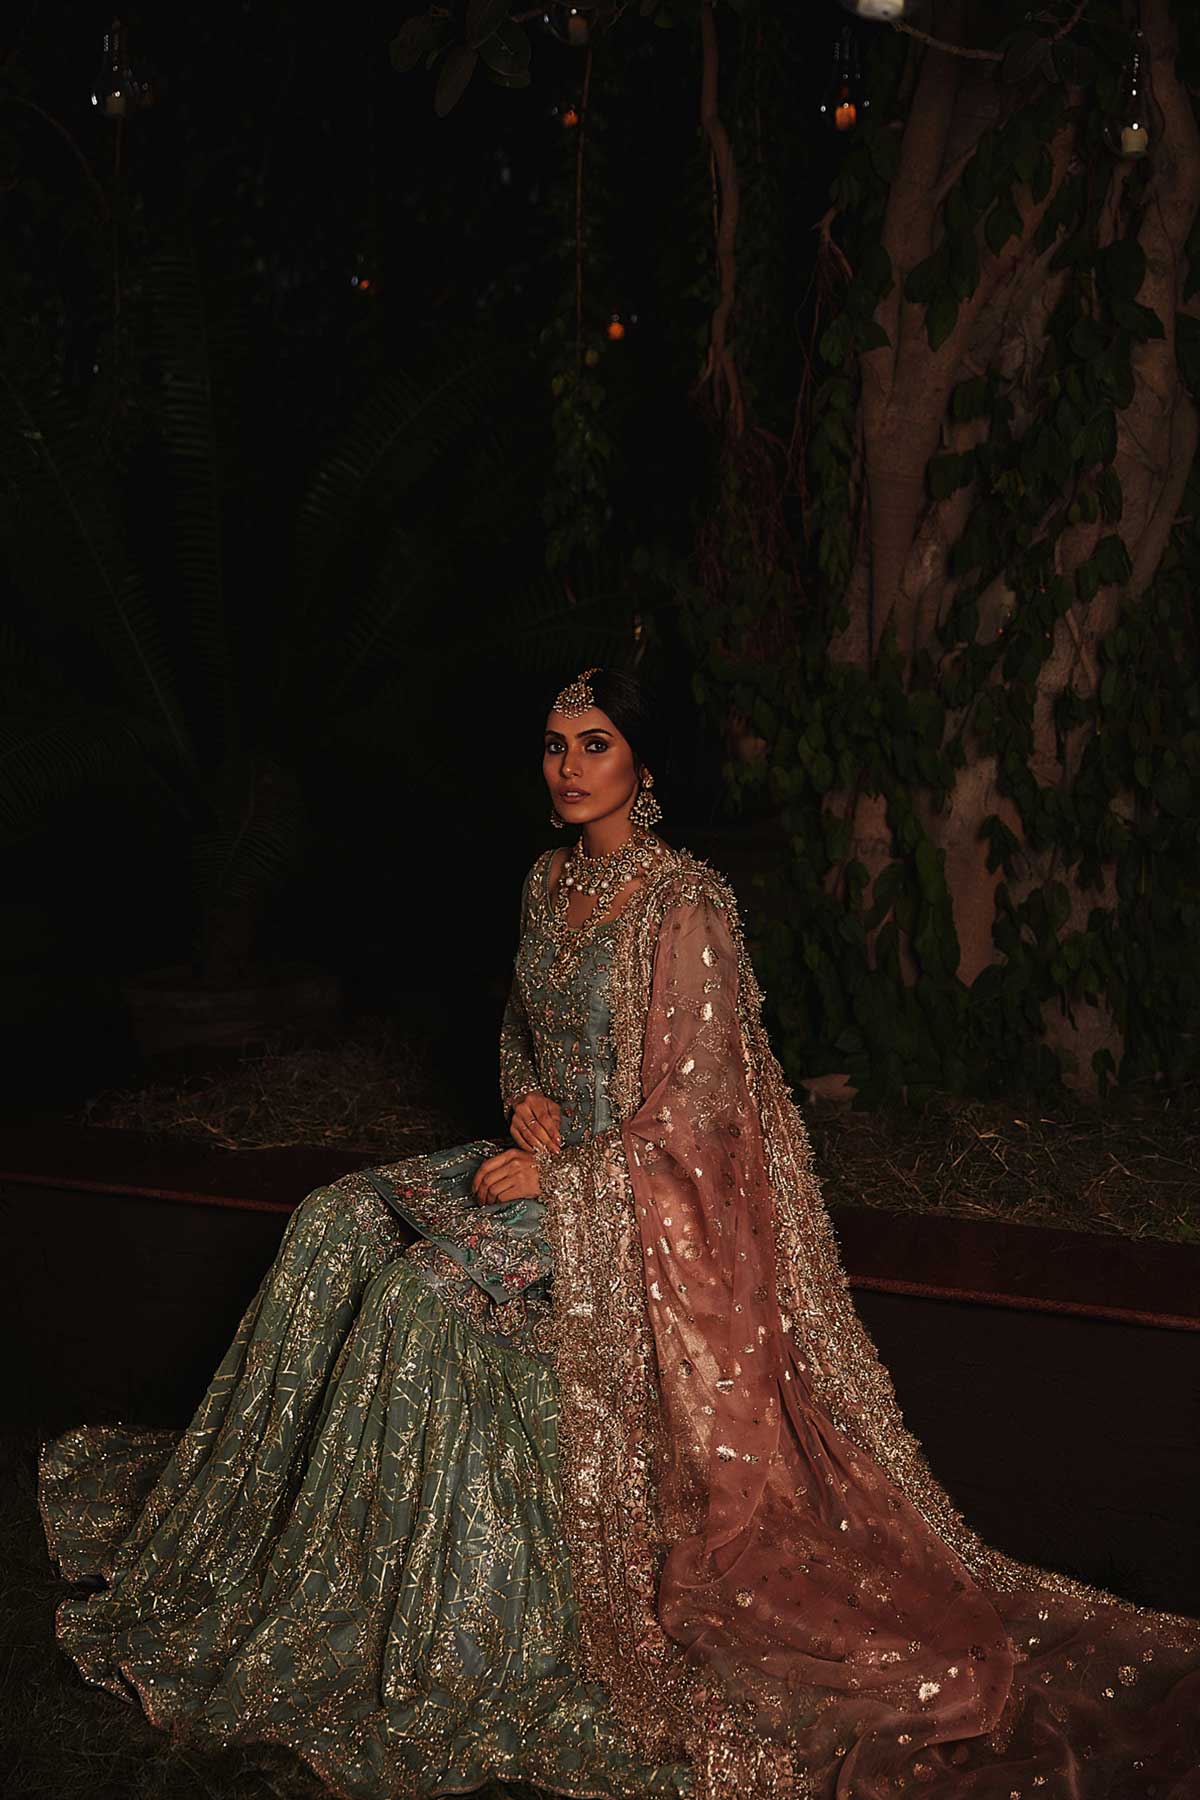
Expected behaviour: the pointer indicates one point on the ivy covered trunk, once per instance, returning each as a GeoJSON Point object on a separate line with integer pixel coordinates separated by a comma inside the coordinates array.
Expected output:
{"type": "Point", "coordinates": [1006, 741]}
{"type": "Point", "coordinates": [940, 598]}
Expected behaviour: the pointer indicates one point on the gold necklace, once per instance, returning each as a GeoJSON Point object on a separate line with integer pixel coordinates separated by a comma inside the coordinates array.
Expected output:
{"type": "Point", "coordinates": [603, 875]}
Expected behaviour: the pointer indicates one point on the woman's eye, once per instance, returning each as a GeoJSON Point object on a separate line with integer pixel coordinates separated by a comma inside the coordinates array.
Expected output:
{"type": "Point", "coordinates": [598, 744]}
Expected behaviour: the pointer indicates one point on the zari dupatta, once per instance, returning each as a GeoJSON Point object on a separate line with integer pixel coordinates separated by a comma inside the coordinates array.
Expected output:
{"type": "Point", "coordinates": [771, 1580]}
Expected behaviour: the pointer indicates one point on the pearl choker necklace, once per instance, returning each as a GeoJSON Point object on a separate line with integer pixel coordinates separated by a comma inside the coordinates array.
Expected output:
{"type": "Point", "coordinates": [603, 875]}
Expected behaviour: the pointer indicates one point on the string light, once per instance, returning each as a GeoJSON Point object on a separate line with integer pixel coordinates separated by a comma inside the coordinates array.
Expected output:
{"type": "Point", "coordinates": [119, 90]}
{"type": "Point", "coordinates": [361, 278]}
{"type": "Point", "coordinates": [569, 25]}
{"type": "Point", "coordinates": [1133, 123]}
{"type": "Point", "coordinates": [845, 102]}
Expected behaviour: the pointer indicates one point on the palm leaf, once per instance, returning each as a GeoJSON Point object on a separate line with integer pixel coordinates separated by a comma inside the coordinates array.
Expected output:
{"type": "Point", "coordinates": [394, 439]}
{"type": "Point", "coordinates": [65, 545]}
{"type": "Point", "coordinates": [386, 617]}
{"type": "Point", "coordinates": [546, 628]}
{"type": "Point", "coordinates": [256, 840]}
{"type": "Point", "coordinates": [49, 756]}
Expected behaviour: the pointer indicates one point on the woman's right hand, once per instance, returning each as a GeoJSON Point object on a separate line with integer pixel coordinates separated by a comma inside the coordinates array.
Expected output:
{"type": "Point", "coordinates": [536, 1122]}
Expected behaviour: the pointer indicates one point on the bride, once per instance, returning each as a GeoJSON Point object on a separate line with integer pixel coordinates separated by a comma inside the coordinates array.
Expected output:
{"type": "Point", "coordinates": [601, 1484]}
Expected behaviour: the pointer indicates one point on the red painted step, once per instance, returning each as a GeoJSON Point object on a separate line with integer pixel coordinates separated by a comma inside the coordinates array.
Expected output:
{"type": "Point", "coordinates": [986, 1261]}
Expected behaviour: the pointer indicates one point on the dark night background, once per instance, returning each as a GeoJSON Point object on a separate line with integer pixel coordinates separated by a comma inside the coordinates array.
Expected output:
{"type": "Point", "coordinates": [342, 233]}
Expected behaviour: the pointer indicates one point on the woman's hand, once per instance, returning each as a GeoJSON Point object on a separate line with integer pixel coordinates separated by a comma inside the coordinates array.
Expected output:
{"type": "Point", "coordinates": [512, 1175]}
{"type": "Point", "coordinates": [536, 1122]}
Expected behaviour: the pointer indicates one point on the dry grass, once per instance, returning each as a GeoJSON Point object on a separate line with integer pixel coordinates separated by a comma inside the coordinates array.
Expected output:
{"type": "Point", "coordinates": [1129, 1168]}
{"type": "Point", "coordinates": [371, 1091]}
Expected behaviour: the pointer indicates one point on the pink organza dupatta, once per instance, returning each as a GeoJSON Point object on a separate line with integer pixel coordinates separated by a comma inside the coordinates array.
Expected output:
{"type": "Point", "coordinates": [837, 1619]}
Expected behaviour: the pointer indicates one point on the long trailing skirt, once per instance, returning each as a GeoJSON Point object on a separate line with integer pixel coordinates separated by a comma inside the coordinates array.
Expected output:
{"type": "Point", "coordinates": [354, 1548]}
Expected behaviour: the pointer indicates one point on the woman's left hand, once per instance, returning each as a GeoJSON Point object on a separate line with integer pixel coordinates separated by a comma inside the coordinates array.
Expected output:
{"type": "Point", "coordinates": [512, 1175]}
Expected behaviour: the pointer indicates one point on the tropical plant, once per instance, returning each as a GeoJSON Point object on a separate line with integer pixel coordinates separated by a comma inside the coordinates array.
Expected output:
{"type": "Point", "coordinates": [151, 657]}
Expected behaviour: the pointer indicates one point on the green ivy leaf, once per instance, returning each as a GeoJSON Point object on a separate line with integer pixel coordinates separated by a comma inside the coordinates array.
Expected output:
{"type": "Point", "coordinates": [1072, 64]}
{"type": "Point", "coordinates": [1028, 54]}
{"type": "Point", "coordinates": [1058, 593]}
{"type": "Point", "coordinates": [970, 398]}
{"type": "Point", "coordinates": [1121, 268]}
{"type": "Point", "coordinates": [1043, 174]}
{"type": "Point", "coordinates": [960, 216]}
{"type": "Point", "coordinates": [1096, 440]}
{"type": "Point", "coordinates": [964, 264]}
{"type": "Point", "coordinates": [410, 43]}
{"type": "Point", "coordinates": [1141, 322]}
{"type": "Point", "coordinates": [923, 281]}
{"type": "Point", "coordinates": [483, 18]}
{"type": "Point", "coordinates": [834, 345]}
{"type": "Point", "coordinates": [928, 715]}
{"type": "Point", "coordinates": [948, 473]}
{"type": "Point", "coordinates": [457, 71]}
{"type": "Point", "coordinates": [941, 315]}
{"type": "Point", "coordinates": [872, 336]}
{"type": "Point", "coordinates": [1112, 559]}
{"type": "Point", "coordinates": [1109, 494]}
{"type": "Point", "coordinates": [1187, 348]}
{"type": "Point", "coordinates": [507, 53]}
{"type": "Point", "coordinates": [520, 78]}
{"type": "Point", "coordinates": [1087, 338]}
{"type": "Point", "coordinates": [929, 869]}
{"type": "Point", "coordinates": [1173, 791]}
{"type": "Point", "coordinates": [1003, 221]}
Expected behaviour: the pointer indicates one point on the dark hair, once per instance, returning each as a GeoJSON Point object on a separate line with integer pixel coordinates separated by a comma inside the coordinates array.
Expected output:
{"type": "Point", "coordinates": [630, 705]}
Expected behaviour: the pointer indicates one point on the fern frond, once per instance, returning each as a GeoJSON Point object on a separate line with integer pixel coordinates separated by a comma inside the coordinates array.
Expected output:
{"type": "Point", "coordinates": [544, 628]}
{"type": "Point", "coordinates": [381, 624]}
{"type": "Point", "coordinates": [398, 435]}
{"type": "Point", "coordinates": [51, 755]}
{"type": "Point", "coordinates": [65, 545]}
{"type": "Point", "coordinates": [256, 840]}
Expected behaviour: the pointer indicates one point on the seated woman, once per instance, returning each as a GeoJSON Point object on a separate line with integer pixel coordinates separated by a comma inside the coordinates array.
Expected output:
{"type": "Point", "coordinates": [601, 1484]}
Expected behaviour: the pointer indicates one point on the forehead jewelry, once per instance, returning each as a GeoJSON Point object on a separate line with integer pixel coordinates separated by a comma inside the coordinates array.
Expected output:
{"type": "Point", "coordinates": [577, 696]}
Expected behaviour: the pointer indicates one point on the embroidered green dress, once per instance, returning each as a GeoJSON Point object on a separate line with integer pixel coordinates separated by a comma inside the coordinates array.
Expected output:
{"type": "Point", "coordinates": [354, 1549]}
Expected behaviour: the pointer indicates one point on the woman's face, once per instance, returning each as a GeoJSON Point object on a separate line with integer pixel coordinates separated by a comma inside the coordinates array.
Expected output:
{"type": "Point", "coordinates": [587, 757]}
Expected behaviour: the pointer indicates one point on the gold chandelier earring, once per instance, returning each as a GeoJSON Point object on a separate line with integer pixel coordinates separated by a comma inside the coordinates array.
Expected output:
{"type": "Point", "coordinates": [645, 810]}
{"type": "Point", "coordinates": [558, 824]}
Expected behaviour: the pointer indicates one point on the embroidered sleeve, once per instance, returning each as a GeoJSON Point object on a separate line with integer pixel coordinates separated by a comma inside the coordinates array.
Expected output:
{"type": "Point", "coordinates": [518, 1072]}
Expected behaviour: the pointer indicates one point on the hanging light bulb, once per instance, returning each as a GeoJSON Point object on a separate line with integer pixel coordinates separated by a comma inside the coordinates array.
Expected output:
{"type": "Point", "coordinates": [119, 90]}
{"type": "Point", "coordinates": [1134, 123]}
{"type": "Point", "coordinates": [569, 24]}
{"type": "Point", "coordinates": [888, 11]}
{"type": "Point", "coordinates": [845, 103]}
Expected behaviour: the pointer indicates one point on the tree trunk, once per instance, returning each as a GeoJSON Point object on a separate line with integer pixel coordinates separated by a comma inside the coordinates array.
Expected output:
{"type": "Point", "coordinates": [903, 577]}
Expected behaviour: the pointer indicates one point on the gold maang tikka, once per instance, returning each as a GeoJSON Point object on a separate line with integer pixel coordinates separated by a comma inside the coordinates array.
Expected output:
{"type": "Point", "coordinates": [576, 698]}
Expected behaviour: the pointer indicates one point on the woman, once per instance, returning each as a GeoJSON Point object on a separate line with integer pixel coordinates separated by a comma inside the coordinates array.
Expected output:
{"type": "Point", "coordinates": [601, 1484]}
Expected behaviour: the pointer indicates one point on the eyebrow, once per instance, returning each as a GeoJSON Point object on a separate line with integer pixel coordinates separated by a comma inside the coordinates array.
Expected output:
{"type": "Point", "coordinates": [591, 732]}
